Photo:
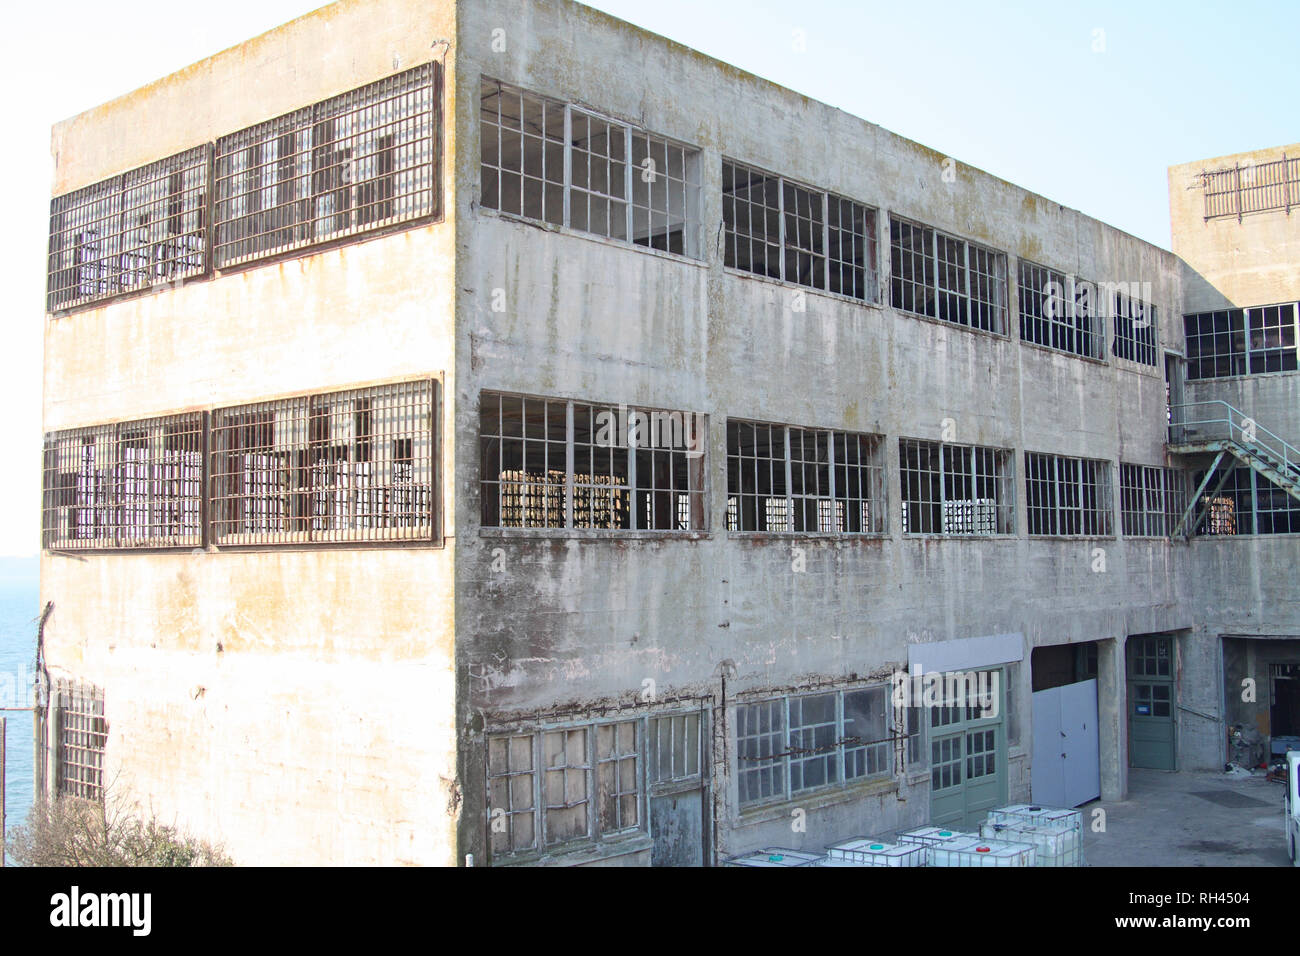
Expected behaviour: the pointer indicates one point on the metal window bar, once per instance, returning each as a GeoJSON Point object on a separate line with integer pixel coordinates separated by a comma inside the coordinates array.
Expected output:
{"type": "Point", "coordinates": [1239, 190]}
{"type": "Point", "coordinates": [338, 467]}
{"type": "Point", "coordinates": [1057, 312]}
{"type": "Point", "coordinates": [128, 485]}
{"type": "Point", "coordinates": [1134, 324]}
{"type": "Point", "coordinates": [356, 162]}
{"type": "Point", "coordinates": [82, 734]}
{"type": "Point", "coordinates": [618, 776]}
{"type": "Point", "coordinates": [1067, 496]}
{"type": "Point", "coordinates": [132, 232]}
{"type": "Point", "coordinates": [955, 489]}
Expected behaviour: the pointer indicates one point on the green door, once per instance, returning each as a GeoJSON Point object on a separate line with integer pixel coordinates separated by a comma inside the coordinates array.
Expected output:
{"type": "Point", "coordinates": [967, 761]}
{"type": "Point", "coordinates": [1151, 703]}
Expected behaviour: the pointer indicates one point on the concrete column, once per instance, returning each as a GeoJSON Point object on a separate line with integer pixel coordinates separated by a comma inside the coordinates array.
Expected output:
{"type": "Point", "coordinates": [1112, 717]}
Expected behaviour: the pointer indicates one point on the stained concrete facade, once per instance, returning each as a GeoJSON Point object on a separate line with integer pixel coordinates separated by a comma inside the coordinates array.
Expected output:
{"type": "Point", "coordinates": [336, 705]}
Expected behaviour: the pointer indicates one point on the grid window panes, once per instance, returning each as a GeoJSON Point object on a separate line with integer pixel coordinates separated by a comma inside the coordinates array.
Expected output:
{"type": "Point", "coordinates": [814, 756]}
{"type": "Point", "coordinates": [337, 467]}
{"type": "Point", "coordinates": [129, 485]}
{"type": "Point", "coordinates": [1058, 312]}
{"type": "Point", "coordinates": [544, 160]}
{"type": "Point", "coordinates": [805, 480]}
{"type": "Point", "coordinates": [561, 464]}
{"type": "Point", "coordinates": [358, 161]}
{"type": "Point", "coordinates": [1245, 502]}
{"type": "Point", "coordinates": [782, 230]}
{"type": "Point", "coordinates": [1134, 323]}
{"type": "Point", "coordinates": [955, 489]}
{"type": "Point", "coordinates": [1272, 338]}
{"type": "Point", "coordinates": [1152, 500]}
{"type": "Point", "coordinates": [760, 750]}
{"type": "Point", "coordinates": [811, 742]}
{"type": "Point", "coordinates": [675, 748]}
{"type": "Point", "coordinates": [566, 784]}
{"type": "Point", "coordinates": [1067, 496]}
{"type": "Point", "coordinates": [1216, 343]}
{"type": "Point", "coordinates": [512, 801]}
{"type": "Point", "coordinates": [130, 232]}
{"type": "Point", "coordinates": [944, 277]}
{"type": "Point", "coordinates": [618, 775]}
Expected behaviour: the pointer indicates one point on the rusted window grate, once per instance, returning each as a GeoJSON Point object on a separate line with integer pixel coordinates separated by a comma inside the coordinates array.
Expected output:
{"type": "Point", "coordinates": [133, 484]}
{"type": "Point", "coordinates": [82, 733]}
{"type": "Point", "coordinates": [130, 232]}
{"type": "Point", "coordinates": [359, 161]}
{"type": "Point", "coordinates": [1252, 187]}
{"type": "Point", "coordinates": [352, 466]}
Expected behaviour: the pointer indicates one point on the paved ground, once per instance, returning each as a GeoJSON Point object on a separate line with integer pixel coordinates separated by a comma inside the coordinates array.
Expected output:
{"type": "Point", "coordinates": [1190, 819]}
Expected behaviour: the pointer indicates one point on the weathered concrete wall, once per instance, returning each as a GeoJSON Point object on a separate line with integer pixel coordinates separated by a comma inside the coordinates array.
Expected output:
{"type": "Point", "coordinates": [575, 621]}
{"type": "Point", "coordinates": [297, 705]}
{"type": "Point", "coordinates": [1252, 262]}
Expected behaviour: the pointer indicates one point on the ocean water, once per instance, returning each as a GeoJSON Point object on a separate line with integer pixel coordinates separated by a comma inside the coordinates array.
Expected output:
{"type": "Point", "coordinates": [19, 609]}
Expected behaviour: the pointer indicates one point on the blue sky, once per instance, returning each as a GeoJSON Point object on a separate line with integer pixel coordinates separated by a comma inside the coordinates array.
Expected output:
{"type": "Point", "coordinates": [1022, 90]}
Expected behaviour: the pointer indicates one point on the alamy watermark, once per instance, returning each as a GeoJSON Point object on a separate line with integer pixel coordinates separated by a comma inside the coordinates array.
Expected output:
{"type": "Point", "coordinates": [646, 428]}
{"type": "Point", "coordinates": [976, 689]}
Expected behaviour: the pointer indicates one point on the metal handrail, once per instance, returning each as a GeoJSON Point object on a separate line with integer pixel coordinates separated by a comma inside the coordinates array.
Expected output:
{"type": "Point", "coordinates": [1233, 425]}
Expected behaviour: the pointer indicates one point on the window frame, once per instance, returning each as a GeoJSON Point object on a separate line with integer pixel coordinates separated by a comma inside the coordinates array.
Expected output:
{"type": "Point", "coordinates": [819, 245]}
{"type": "Point", "coordinates": [572, 492]}
{"type": "Point", "coordinates": [872, 472]}
{"type": "Point", "coordinates": [783, 762]}
{"type": "Point", "coordinates": [1135, 333]}
{"type": "Point", "coordinates": [1003, 480]}
{"type": "Point", "coordinates": [1075, 507]}
{"type": "Point", "coordinates": [1038, 328]}
{"type": "Point", "coordinates": [1152, 500]}
{"type": "Point", "coordinates": [954, 289]}
{"type": "Point", "coordinates": [692, 189]}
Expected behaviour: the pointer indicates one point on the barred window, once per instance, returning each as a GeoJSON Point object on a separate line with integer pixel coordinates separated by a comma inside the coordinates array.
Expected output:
{"type": "Point", "coordinates": [1067, 496]}
{"type": "Point", "coordinates": [785, 478]}
{"type": "Point", "coordinates": [1135, 329]}
{"type": "Point", "coordinates": [1152, 500]}
{"type": "Point", "coordinates": [620, 182]}
{"type": "Point", "coordinates": [1253, 187]}
{"type": "Point", "coordinates": [130, 232]}
{"type": "Point", "coordinates": [792, 745]}
{"type": "Point", "coordinates": [550, 463]}
{"type": "Point", "coordinates": [947, 278]}
{"type": "Point", "coordinates": [128, 485]}
{"type": "Point", "coordinates": [782, 230]}
{"type": "Point", "coordinates": [955, 489]}
{"type": "Point", "coordinates": [81, 734]}
{"type": "Point", "coordinates": [352, 466]}
{"type": "Point", "coordinates": [365, 159]}
{"type": "Point", "coordinates": [1059, 312]}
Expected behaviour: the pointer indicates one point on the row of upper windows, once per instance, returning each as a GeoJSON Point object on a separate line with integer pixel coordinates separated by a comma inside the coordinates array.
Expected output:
{"type": "Point", "coordinates": [556, 163]}
{"type": "Point", "coordinates": [357, 162]}
{"type": "Point", "coordinates": [569, 465]}
{"type": "Point", "coordinates": [357, 467]}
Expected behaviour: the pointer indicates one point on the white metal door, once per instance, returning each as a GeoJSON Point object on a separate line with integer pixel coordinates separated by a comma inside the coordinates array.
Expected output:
{"type": "Point", "coordinates": [1067, 768]}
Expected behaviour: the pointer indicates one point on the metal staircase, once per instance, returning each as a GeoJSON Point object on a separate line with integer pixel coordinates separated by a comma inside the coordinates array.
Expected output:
{"type": "Point", "coordinates": [1215, 427]}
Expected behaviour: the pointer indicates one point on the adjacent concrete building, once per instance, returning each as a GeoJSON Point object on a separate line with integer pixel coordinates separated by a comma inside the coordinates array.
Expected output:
{"type": "Point", "coordinates": [462, 449]}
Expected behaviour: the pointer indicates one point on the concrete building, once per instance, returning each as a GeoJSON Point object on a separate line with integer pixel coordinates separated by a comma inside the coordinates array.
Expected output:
{"type": "Point", "coordinates": [461, 449]}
